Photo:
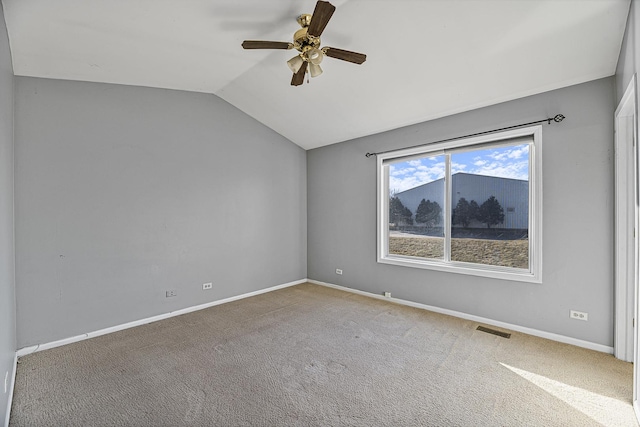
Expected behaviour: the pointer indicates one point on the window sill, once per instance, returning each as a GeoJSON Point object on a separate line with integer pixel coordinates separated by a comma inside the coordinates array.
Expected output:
{"type": "Point", "coordinates": [493, 272]}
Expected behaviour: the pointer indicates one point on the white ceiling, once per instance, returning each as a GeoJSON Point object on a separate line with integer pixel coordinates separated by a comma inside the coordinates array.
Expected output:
{"type": "Point", "coordinates": [425, 59]}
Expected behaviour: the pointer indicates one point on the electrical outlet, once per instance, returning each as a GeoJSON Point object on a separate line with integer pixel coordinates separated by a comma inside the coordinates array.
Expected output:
{"type": "Point", "coordinates": [579, 315]}
{"type": "Point", "coordinates": [387, 294]}
{"type": "Point", "coordinates": [172, 293]}
{"type": "Point", "coordinates": [338, 271]}
{"type": "Point", "coordinates": [207, 286]}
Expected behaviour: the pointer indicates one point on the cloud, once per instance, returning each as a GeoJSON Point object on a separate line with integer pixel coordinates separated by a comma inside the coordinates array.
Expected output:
{"type": "Point", "coordinates": [412, 173]}
{"type": "Point", "coordinates": [516, 152]}
{"type": "Point", "coordinates": [458, 167]}
{"type": "Point", "coordinates": [513, 170]}
{"type": "Point", "coordinates": [519, 152]}
{"type": "Point", "coordinates": [505, 162]}
{"type": "Point", "coordinates": [498, 156]}
{"type": "Point", "coordinates": [394, 171]}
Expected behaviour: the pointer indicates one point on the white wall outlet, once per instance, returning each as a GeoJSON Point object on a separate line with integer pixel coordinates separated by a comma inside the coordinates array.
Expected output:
{"type": "Point", "coordinates": [579, 315]}
{"type": "Point", "coordinates": [338, 271]}
{"type": "Point", "coordinates": [172, 293]}
{"type": "Point", "coordinates": [387, 294]}
{"type": "Point", "coordinates": [206, 286]}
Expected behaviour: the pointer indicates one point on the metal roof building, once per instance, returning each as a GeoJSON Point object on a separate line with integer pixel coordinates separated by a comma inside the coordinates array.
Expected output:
{"type": "Point", "coordinates": [513, 195]}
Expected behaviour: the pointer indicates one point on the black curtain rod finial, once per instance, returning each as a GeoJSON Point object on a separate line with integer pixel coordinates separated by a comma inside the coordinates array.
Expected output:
{"type": "Point", "coordinates": [558, 118]}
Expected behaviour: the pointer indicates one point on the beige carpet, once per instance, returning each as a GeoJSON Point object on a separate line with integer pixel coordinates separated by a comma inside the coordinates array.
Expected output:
{"type": "Point", "coordinates": [315, 356]}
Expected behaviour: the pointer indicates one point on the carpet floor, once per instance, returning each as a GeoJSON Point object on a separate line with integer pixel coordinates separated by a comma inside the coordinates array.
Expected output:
{"type": "Point", "coordinates": [309, 355]}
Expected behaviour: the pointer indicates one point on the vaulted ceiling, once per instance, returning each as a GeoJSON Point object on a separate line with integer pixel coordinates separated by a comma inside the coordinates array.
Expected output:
{"type": "Point", "coordinates": [425, 59]}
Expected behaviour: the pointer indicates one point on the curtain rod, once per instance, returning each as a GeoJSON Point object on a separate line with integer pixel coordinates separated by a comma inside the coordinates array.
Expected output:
{"type": "Point", "coordinates": [557, 118]}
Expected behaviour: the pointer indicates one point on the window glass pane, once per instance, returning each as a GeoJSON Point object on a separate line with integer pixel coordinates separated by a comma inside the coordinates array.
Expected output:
{"type": "Point", "coordinates": [490, 206]}
{"type": "Point", "coordinates": [416, 202]}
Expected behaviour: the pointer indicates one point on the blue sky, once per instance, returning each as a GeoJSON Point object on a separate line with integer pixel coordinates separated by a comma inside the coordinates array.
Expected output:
{"type": "Point", "coordinates": [508, 162]}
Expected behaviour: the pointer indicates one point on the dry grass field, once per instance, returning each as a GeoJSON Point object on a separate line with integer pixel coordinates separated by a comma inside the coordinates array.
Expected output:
{"type": "Point", "coordinates": [506, 253]}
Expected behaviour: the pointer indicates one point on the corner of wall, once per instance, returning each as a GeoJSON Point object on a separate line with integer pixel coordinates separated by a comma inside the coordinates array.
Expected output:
{"type": "Point", "coordinates": [11, 386]}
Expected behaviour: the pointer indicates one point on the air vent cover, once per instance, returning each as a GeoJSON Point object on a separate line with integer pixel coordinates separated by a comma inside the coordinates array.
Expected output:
{"type": "Point", "coordinates": [494, 332]}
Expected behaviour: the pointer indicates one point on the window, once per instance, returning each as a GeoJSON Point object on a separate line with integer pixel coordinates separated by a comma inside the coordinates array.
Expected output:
{"type": "Point", "coordinates": [470, 206]}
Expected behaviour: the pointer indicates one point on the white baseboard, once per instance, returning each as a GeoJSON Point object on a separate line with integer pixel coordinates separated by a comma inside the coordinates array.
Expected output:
{"type": "Point", "coordinates": [535, 332]}
{"type": "Point", "coordinates": [11, 387]}
{"type": "Point", "coordinates": [517, 328]}
{"type": "Point", "coordinates": [32, 349]}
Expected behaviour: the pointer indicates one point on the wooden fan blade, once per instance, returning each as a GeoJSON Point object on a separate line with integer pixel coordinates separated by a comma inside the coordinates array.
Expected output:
{"type": "Point", "coordinates": [298, 78]}
{"type": "Point", "coordinates": [345, 55]}
{"type": "Point", "coordinates": [261, 44]}
{"type": "Point", "coordinates": [320, 18]}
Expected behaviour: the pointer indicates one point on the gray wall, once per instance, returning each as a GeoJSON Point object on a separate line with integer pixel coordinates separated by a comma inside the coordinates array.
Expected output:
{"type": "Point", "coordinates": [577, 230]}
{"type": "Point", "coordinates": [125, 192]}
{"type": "Point", "coordinates": [7, 292]}
{"type": "Point", "coordinates": [629, 60]}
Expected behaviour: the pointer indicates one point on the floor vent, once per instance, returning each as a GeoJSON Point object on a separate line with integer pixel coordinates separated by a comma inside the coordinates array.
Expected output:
{"type": "Point", "coordinates": [494, 332]}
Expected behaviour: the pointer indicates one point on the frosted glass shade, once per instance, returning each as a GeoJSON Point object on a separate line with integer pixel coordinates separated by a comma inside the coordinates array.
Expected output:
{"type": "Point", "coordinates": [295, 63]}
{"type": "Point", "coordinates": [315, 56]}
{"type": "Point", "coordinates": [314, 69]}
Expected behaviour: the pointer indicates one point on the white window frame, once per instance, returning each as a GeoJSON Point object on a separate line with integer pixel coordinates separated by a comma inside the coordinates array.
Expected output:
{"type": "Point", "coordinates": [533, 274]}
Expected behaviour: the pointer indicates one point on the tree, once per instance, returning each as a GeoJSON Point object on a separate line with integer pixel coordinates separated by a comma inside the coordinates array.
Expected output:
{"type": "Point", "coordinates": [407, 216]}
{"type": "Point", "coordinates": [474, 209]}
{"type": "Point", "coordinates": [464, 212]}
{"type": "Point", "coordinates": [490, 212]}
{"type": "Point", "coordinates": [429, 213]}
{"type": "Point", "coordinates": [398, 213]}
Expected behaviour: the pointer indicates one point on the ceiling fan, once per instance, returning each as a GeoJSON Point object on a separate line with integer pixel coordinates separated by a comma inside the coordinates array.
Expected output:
{"type": "Point", "coordinates": [307, 42]}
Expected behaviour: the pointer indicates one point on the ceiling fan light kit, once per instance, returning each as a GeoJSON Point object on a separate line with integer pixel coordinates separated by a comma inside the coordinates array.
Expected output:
{"type": "Point", "coordinates": [307, 41]}
{"type": "Point", "coordinates": [314, 69]}
{"type": "Point", "coordinates": [295, 63]}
